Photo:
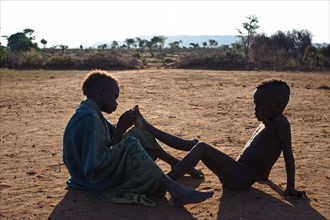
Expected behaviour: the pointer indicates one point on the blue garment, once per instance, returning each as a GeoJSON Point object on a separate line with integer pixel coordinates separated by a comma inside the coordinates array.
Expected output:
{"type": "Point", "coordinates": [122, 173]}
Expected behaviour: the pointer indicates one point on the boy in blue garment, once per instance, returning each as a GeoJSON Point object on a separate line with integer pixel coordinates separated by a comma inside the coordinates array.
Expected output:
{"type": "Point", "coordinates": [111, 163]}
{"type": "Point", "coordinates": [256, 160]}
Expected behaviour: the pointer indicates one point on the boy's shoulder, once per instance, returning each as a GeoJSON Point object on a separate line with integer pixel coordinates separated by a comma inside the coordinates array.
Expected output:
{"type": "Point", "coordinates": [84, 113]}
{"type": "Point", "coordinates": [280, 117]}
{"type": "Point", "coordinates": [281, 120]}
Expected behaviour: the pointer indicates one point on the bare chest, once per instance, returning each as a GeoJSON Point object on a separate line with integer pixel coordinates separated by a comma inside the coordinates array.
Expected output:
{"type": "Point", "coordinates": [264, 141]}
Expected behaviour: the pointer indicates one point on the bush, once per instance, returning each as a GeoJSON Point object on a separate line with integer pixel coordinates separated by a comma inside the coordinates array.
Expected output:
{"type": "Point", "coordinates": [31, 59]}
{"type": "Point", "coordinates": [59, 62]}
{"type": "Point", "coordinates": [261, 58]}
{"type": "Point", "coordinates": [216, 61]}
{"type": "Point", "coordinates": [136, 55]}
{"type": "Point", "coordinates": [96, 60]}
{"type": "Point", "coordinates": [3, 57]}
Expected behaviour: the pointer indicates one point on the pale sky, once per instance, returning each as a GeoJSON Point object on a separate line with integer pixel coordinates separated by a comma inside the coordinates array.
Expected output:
{"type": "Point", "coordinates": [75, 23]}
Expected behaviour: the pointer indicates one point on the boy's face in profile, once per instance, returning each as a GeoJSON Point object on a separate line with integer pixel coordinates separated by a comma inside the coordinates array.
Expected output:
{"type": "Point", "coordinates": [265, 106]}
{"type": "Point", "coordinates": [110, 94]}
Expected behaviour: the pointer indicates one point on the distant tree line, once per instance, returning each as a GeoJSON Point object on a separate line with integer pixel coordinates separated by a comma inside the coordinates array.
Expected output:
{"type": "Point", "coordinates": [291, 50]}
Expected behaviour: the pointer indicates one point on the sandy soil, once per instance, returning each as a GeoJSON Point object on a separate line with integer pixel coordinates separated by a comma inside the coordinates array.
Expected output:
{"type": "Point", "coordinates": [214, 106]}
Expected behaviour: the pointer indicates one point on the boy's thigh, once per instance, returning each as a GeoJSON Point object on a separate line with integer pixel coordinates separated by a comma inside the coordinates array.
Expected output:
{"type": "Point", "coordinates": [238, 176]}
{"type": "Point", "coordinates": [230, 172]}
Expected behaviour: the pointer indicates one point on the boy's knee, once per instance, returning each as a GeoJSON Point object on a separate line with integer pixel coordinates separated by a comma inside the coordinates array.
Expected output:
{"type": "Point", "coordinates": [201, 146]}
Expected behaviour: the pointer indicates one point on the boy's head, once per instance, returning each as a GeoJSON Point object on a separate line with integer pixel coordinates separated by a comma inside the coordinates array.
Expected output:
{"type": "Point", "coordinates": [270, 98]}
{"type": "Point", "coordinates": [103, 88]}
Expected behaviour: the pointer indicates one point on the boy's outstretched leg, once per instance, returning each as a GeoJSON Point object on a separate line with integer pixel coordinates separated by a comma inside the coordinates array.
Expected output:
{"type": "Point", "coordinates": [181, 195]}
{"type": "Point", "coordinates": [172, 161]}
{"type": "Point", "coordinates": [219, 163]}
{"type": "Point", "coordinates": [171, 140]}
{"type": "Point", "coordinates": [230, 173]}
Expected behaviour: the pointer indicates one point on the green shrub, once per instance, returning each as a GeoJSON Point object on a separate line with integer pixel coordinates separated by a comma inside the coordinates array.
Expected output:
{"type": "Point", "coordinates": [3, 57]}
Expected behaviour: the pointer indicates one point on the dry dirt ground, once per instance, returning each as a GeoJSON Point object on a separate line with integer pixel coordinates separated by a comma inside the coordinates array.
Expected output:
{"type": "Point", "coordinates": [213, 106]}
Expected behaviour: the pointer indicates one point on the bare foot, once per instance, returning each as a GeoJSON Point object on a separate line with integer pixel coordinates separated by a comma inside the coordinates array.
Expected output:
{"type": "Point", "coordinates": [140, 121]}
{"type": "Point", "coordinates": [183, 196]}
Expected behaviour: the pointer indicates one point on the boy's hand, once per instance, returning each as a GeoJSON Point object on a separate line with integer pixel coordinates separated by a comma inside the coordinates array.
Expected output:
{"type": "Point", "coordinates": [126, 120]}
{"type": "Point", "coordinates": [295, 193]}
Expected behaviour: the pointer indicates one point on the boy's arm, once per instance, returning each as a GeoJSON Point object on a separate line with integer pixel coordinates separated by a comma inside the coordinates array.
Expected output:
{"type": "Point", "coordinates": [284, 132]}
{"type": "Point", "coordinates": [126, 120]}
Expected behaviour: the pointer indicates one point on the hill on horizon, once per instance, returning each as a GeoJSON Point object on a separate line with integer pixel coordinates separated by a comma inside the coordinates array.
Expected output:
{"type": "Point", "coordinates": [186, 40]}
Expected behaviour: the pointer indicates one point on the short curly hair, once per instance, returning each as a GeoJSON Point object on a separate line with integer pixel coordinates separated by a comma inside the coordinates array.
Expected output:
{"type": "Point", "coordinates": [273, 82]}
{"type": "Point", "coordinates": [280, 96]}
{"type": "Point", "coordinates": [94, 77]}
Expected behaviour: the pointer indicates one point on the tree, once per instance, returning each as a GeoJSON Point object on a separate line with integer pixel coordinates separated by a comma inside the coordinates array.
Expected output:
{"type": "Point", "coordinates": [280, 40]}
{"type": "Point", "coordinates": [138, 41]}
{"type": "Point", "coordinates": [29, 32]}
{"type": "Point", "coordinates": [141, 43]}
{"type": "Point", "coordinates": [204, 44]}
{"type": "Point", "coordinates": [326, 51]}
{"type": "Point", "coordinates": [175, 44]}
{"type": "Point", "coordinates": [156, 41]}
{"type": "Point", "coordinates": [129, 42]}
{"type": "Point", "coordinates": [150, 45]}
{"type": "Point", "coordinates": [194, 45]}
{"type": "Point", "coordinates": [292, 41]}
{"type": "Point", "coordinates": [213, 43]}
{"type": "Point", "coordinates": [63, 47]}
{"type": "Point", "coordinates": [114, 44]}
{"type": "Point", "coordinates": [44, 42]}
{"type": "Point", "coordinates": [225, 48]}
{"type": "Point", "coordinates": [162, 40]}
{"type": "Point", "coordinates": [102, 46]}
{"type": "Point", "coordinates": [21, 42]}
{"type": "Point", "coordinates": [302, 39]}
{"type": "Point", "coordinates": [159, 41]}
{"type": "Point", "coordinates": [251, 26]}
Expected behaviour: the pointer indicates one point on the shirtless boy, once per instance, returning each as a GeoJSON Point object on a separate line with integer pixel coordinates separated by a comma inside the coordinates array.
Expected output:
{"type": "Point", "coordinates": [256, 160]}
{"type": "Point", "coordinates": [111, 163]}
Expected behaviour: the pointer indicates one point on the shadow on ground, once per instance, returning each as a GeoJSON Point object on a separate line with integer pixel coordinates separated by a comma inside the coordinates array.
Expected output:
{"type": "Point", "coordinates": [232, 206]}
{"type": "Point", "coordinates": [82, 205]}
{"type": "Point", "coordinates": [248, 204]}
